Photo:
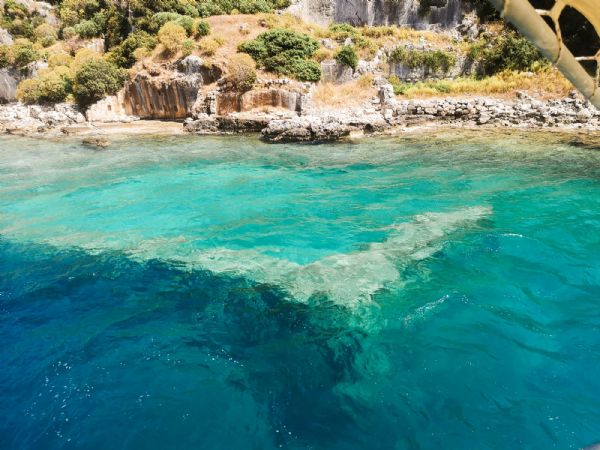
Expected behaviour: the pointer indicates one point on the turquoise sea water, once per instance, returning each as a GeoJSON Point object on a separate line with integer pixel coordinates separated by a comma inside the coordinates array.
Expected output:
{"type": "Point", "coordinates": [221, 293]}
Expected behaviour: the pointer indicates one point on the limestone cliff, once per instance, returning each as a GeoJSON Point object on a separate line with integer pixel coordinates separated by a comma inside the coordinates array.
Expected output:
{"type": "Point", "coordinates": [158, 93]}
{"type": "Point", "coordinates": [414, 13]}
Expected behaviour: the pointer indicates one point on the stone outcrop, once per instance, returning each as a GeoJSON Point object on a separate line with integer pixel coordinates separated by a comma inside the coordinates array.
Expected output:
{"type": "Point", "coordinates": [31, 119]}
{"type": "Point", "coordinates": [5, 37]}
{"type": "Point", "coordinates": [320, 128]}
{"type": "Point", "coordinates": [161, 98]}
{"type": "Point", "coordinates": [334, 72]}
{"type": "Point", "coordinates": [110, 109]}
{"type": "Point", "coordinates": [11, 77]}
{"type": "Point", "coordinates": [231, 102]}
{"type": "Point", "coordinates": [380, 12]}
{"type": "Point", "coordinates": [157, 93]}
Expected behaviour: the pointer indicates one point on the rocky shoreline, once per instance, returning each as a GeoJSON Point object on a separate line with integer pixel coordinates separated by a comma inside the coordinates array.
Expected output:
{"type": "Point", "coordinates": [383, 114]}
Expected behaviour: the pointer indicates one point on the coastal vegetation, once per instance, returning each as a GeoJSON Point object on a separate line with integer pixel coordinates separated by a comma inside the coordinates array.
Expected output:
{"type": "Point", "coordinates": [95, 46]}
{"type": "Point", "coordinates": [285, 52]}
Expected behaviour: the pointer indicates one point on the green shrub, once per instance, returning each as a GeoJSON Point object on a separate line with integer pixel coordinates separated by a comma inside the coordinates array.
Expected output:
{"type": "Point", "coordinates": [28, 91]}
{"type": "Point", "coordinates": [51, 86]}
{"type": "Point", "coordinates": [285, 52]}
{"type": "Point", "coordinates": [14, 10]}
{"type": "Point", "coordinates": [161, 18]}
{"type": "Point", "coordinates": [24, 53]}
{"type": "Point", "coordinates": [71, 12]}
{"type": "Point", "coordinates": [68, 32]}
{"type": "Point", "coordinates": [59, 59]}
{"type": "Point", "coordinates": [201, 28]}
{"type": "Point", "coordinates": [217, 7]}
{"type": "Point", "coordinates": [96, 79]}
{"type": "Point", "coordinates": [506, 51]}
{"type": "Point", "coordinates": [123, 54]}
{"type": "Point", "coordinates": [188, 47]}
{"type": "Point", "coordinates": [431, 60]}
{"type": "Point", "coordinates": [399, 86]}
{"type": "Point", "coordinates": [7, 57]}
{"type": "Point", "coordinates": [241, 70]}
{"type": "Point", "coordinates": [342, 31]}
{"type": "Point", "coordinates": [55, 86]}
{"type": "Point", "coordinates": [254, 6]}
{"type": "Point", "coordinates": [87, 29]}
{"type": "Point", "coordinates": [48, 41]}
{"type": "Point", "coordinates": [171, 35]}
{"type": "Point", "coordinates": [45, 30]}
{"type": "Point", "coordinates": [20, 28]}
{"type": "Point", "coordinates": [209, 46]}
{"type": "Point", "coordinates": [302, 69]}
{"type": "Point", "coordinates": [347, 57]}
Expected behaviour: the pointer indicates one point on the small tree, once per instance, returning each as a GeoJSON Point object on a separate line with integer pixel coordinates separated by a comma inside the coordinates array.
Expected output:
{"type": "Point", "coordinates": [123, 54]}
{"type": "Point", "coordinates": [347, 57]}
{"type": "Point", "coordinates": [46, 34]}
{"type": "Point", "coordinates": [28, 90]}
{"type": "Point", "coordinates": [51, 86]}
{"type": "Point", "coordinates": [96, 79]}
{"type": "Point", "coordinates": [201, 28]}
{"type": "Point", "coordinates": [241, 72]}
{"type": "Point", "coordinates": [171, 36]}
{"type": "Point", "coordinates": [24, 53]}
{"type": "Point", "coordinates": [285, 52]}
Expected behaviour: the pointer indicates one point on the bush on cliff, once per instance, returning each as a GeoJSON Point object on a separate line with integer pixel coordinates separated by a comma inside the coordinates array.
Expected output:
{"type": "Point", "coordinates": [208, 46]}
{"type": "Point", "coordinates": [241, 71]}
{"type": "Point", "coordinates": [18, 55]}
{"type": "Point", "coordinates": [218, 7]}
{"type": "Point", "coordinates": [87, 29]}
{"type": "Point", "coordinates": [96, 79]}
{"type": "Point", "coordinates": [285, 52]}
{"type": "Point", "coordinates": [161, 18]}
{"type": "Point", "coordinates": [342, 31]}
{"type": "Point", "coordinates": [18, 21]}
{"type": "Point", "coordinates": [59, 58]}
{"type": "Point", "coordinates": [123, 55]}
{"type": "Point", "coordinates": [506, 51]}
{"type": "Point", "coordinates": [347, 57]}
{"type": "Point", "coordinates": [201, 28]}
{"type": "Point", "coordinates": [50, 86]}
{"type": "Point", "coordinates": [171, 36]}
{"type": "Point", "coordinates": [46, 34]}
{"type": "Point", "coordinates": [432, 60]}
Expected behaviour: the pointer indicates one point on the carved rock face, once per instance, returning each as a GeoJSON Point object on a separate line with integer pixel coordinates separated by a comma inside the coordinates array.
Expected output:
{"type": "Point", "coordinates": [167, 95]}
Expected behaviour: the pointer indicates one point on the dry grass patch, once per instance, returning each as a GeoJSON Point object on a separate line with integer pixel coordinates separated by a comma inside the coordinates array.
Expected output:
{"type": "Point", "coordinates": [546, 83]}
{"type": "Point", "coordinates": [353, 93]}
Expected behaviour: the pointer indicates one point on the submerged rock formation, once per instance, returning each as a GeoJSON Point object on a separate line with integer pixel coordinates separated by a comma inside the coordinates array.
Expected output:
{"type": "Point", "coordinates": [414, 13]}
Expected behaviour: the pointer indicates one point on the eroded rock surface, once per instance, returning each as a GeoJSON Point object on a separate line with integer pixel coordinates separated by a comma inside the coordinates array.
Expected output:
{"type": "Point", "coordinates": [156, 93]}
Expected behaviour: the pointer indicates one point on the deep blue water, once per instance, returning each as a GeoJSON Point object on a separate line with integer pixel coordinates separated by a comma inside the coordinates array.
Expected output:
{"type": "Point", "coordinates": [221, 293]}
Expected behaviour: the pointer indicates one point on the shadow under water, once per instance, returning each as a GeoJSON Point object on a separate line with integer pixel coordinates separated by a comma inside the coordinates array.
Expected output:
{"type": "Point", "coordinates": [143, 329]}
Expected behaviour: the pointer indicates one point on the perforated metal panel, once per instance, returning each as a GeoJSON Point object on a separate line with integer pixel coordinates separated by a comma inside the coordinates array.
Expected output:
{"type": "Point", "coordinates": [550, 41]}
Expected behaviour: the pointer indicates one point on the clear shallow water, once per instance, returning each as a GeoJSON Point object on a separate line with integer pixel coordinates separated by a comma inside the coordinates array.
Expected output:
{"type": "Point", "coordinates": [222, 293]}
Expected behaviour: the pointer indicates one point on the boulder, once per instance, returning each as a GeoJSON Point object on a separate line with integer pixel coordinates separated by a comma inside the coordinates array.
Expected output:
{"type": "Point", "coordinates": [109, 109]}
{"type": "Point", "coordinates": [9, 80]}
{"type": "Point", "coordinates": [334, 72]}
{"type": "Point", "coordinates": [5, 37]}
